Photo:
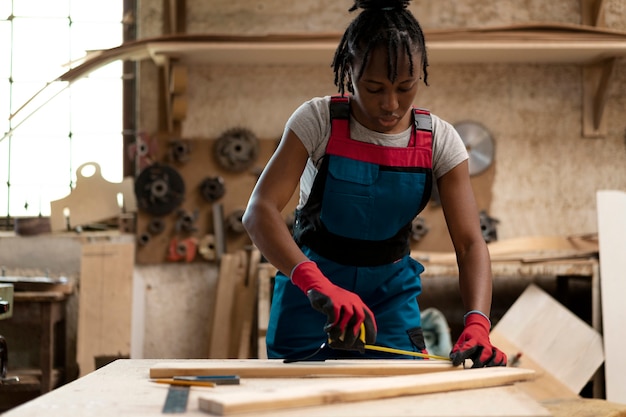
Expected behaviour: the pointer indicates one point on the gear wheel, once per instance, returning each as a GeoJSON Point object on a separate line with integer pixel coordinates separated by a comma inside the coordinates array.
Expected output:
{"type": "Point", "coordinates": [159, 189]}
{"type": "Point", "coordinates": [236, 149]}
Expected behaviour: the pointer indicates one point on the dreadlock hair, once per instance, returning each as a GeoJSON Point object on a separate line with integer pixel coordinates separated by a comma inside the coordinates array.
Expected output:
{"type": "Point", "coordinates": [382, 22]}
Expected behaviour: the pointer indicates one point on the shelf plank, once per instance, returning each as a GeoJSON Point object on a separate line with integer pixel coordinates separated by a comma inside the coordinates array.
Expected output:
{"type": "Point", "coordinates": [551, 43]}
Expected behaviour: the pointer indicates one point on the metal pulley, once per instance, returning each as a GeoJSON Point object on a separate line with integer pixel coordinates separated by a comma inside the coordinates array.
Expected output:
{"type": "Point", "coordinates": [159, 189]}
{"type": "Point", "coordinates": [419, 229]}
{"type": "Point", "coordinates": [234, 221]}
{"type": "Point", "coordinates": [236, 149]}
{"type": "Point", "coordinates": [479, 145]}
{"type": "Point", "coordinates": [488, 226]}
{"type": "Point", "coordinates": [180, 151]}
{"type": "Point", "coordinates": [212, 188]}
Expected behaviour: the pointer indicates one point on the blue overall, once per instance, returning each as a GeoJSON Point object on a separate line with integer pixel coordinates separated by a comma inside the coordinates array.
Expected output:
{"type": "Point", "coordinates": [356, 227]}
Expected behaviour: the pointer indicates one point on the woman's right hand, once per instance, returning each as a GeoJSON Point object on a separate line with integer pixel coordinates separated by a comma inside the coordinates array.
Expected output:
{"type": "Point", "coordinates": [345, 310]}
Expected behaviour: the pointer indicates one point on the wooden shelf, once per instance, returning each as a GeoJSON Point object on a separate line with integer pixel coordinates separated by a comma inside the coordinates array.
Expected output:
{"type": "Point", "coordinates": [556, 43]}
{"type": "Point", "coordinates": [594, 48]}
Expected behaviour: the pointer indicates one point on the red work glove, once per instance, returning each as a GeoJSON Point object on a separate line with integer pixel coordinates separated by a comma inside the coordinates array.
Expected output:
{"type": "Point", "coordinates": [344, 309]}
{"type": "Point", "coordinates": [474, 344]}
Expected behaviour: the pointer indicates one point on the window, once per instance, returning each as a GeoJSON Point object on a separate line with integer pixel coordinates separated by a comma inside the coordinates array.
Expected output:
{"type": "Point", "coordinates": [64, 126]}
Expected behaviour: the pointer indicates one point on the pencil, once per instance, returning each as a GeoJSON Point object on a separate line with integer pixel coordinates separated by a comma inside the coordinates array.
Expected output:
{"type": "Point", "coordinates": [184, 383]}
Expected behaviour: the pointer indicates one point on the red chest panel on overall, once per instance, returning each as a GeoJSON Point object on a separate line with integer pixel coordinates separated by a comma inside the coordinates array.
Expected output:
{"type": "Point", "coordinates": [365, 196]}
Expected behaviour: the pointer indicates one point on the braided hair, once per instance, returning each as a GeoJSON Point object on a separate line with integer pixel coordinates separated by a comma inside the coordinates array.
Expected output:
{"type": "Point", "coordinates": [382, 22]}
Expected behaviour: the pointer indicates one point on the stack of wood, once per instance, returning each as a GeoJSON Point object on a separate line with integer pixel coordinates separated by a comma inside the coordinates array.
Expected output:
{"type": "Point", "coordinates": [234, 319]}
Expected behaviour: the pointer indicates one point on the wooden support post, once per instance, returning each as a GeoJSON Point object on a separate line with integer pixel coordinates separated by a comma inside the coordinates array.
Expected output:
{"type": "Point", "coordinates": [592, 12]}
{"type": "Point", "coordinates": [596, 82]}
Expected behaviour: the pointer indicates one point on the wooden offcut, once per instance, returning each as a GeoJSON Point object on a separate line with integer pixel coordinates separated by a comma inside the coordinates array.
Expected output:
{"type": "Point", "coordinates": [563, 349]}
{"type": "Point", "coordinates": [359, 389]}
{"type": "Point", "coordinates": [93, 199]}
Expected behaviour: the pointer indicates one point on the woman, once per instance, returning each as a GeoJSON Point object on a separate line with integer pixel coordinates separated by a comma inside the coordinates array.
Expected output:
{"type": "Point", "coordinates": [365, 162]}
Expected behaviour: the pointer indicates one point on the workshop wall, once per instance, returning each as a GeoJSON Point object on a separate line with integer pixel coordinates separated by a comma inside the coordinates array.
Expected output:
{"type": "Point", "coordinates": [545, 174]}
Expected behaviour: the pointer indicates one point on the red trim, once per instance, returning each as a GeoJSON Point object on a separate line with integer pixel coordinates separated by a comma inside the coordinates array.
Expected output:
{"type": "Point", "coordinates": [382, 155]}
{"type": "Point", "coordinates": [417, 154]}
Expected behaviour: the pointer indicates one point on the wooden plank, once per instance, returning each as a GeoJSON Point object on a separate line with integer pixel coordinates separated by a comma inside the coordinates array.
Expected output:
{"type": "Point", "coordinates": [549, 334]}
{"type": "Point", "coordinates": [612, 236]}
{"type": "Point", "coordinates": [231, 274]}
{"type": "Point", "coordinates": [244, 309]}
{"type": "Point", "coordinates": [275, 368]}
{"type": "Point", "coordinates": [360, 389]}
{"type": "Point", "coordinates": [525, 249]}
{"type": "Point", "coordinates": [265, 273]}
{"type": "Point", "coordinates": [105, 302]}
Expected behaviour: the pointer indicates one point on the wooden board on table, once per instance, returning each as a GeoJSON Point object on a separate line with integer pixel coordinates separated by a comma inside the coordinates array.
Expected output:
{"type": "Point", "coordinates": [359, 389]}
{"type": "Point", "coordinates": [612, 237]}
{"type": "Point", "coordinates": [551, 339]}
{"type": "Point", "coordinates": [275, 368]}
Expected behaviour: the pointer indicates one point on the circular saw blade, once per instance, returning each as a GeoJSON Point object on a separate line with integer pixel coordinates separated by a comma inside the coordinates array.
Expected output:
{"type": "Point", "coordinates": [479, 145]}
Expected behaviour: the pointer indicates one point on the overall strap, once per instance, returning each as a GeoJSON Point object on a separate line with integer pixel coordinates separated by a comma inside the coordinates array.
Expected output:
{"type": "Point", "coordinates": [340, 117]}
{"type": "Point", "coordinates": [422, 135]}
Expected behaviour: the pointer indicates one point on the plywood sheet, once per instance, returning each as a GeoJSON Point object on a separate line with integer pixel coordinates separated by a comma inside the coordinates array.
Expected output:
{"type": "Point", "coordinates": [553, 337]}
{"type": "Point", "coordinates": [359, 389]}
{"type": "Point", "coordinates": [105, 302]}
{"type": "Point", "coordinates": [275, 368]}
{"type": "Point", "coordinates": [202, 164]}
{"type": "Point", "coordinates": [612, 236]}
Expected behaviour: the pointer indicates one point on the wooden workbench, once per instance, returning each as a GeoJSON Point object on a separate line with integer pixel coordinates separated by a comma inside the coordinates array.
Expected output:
{"type": "Point", "coordinates": [123, 388]}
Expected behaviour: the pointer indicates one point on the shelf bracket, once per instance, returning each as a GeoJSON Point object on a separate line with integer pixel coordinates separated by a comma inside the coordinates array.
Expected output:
{"type": "Point", "coordinates": [596, 81]}
{"type": "Point", "coordinates": [592, 12]}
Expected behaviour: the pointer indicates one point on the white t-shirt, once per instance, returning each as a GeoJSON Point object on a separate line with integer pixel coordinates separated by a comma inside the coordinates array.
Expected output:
{"type": "Point", "coordinates": [311, 123]}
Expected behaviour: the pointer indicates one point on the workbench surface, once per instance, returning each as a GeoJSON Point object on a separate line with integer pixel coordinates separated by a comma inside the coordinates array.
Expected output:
{"type": "Point", "coordinates": [123, 388]}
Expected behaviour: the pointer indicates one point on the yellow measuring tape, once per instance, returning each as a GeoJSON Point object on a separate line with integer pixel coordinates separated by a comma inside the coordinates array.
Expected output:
{"type": "Point", "coordinates": [398, 351]}
{"type": "Point", "coordinates": [406, 352]}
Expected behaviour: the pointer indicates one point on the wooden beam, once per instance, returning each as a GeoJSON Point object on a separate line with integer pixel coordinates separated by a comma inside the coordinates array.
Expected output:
{"type": "Point", "coordinates": [596, 82]}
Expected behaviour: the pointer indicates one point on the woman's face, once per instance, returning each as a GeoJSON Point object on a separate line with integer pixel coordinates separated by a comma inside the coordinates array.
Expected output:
{"type": "Point", "coordinates": [379, 104]}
